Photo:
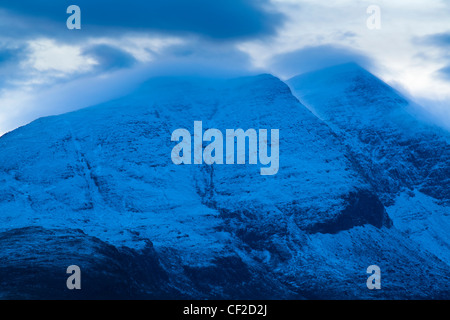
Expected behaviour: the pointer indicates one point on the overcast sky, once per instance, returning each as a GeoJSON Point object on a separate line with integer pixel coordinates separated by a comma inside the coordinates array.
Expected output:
{"type": "Point", "coordinates": [46, 69]}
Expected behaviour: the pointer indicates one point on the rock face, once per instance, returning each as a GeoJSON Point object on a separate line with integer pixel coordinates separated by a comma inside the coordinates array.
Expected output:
{"type": "Point", "coordinates": [151, 229]}
{"type": "Point", "coordinates": [34, 261]}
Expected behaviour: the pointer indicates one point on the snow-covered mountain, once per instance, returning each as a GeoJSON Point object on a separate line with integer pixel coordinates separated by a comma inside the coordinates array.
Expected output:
{"type": "Point", "coordinates": [102, 178]}
{"type": "Point", "coordinates": [405, 158]}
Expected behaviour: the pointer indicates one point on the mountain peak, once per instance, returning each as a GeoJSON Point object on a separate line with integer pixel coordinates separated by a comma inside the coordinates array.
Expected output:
{"type": "Point", "coordinates": [338, 88]}
{"type": "Point", "coordinates": [370, 115]}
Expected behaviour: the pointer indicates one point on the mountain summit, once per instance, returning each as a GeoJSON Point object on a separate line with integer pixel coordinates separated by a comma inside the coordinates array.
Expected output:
{"type": "Point", "coordinates": [405, 159]}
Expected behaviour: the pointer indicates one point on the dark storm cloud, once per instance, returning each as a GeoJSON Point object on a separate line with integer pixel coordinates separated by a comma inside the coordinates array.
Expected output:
{"type": "Point", "coordinates": [110, 58]}
{"type": "Point", "coordinates": [219, 19]}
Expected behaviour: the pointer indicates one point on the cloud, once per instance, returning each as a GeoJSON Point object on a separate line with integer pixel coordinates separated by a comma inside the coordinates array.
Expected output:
{"type": "Point", "coordinates": [217, 19]}
{"type": "Point", "coordinates": [10, 59]}
{"type": "Point", "coordinates": [440, 43]}
{"type": "Point", "coordinates": [8, 55]}
{"type": "Point", "coordinates": [109, 58]}
{"type": "Point", "coordinates": [113, 73]}
{"type": "Point", "coordinates": [127, 42]}
{"type": "Point", "coordinates": [314, 58]}
{"type": "Point", "coordinates": [439, 39]}
{"type": "Point", "coordinates": [49, 56]}
{"type": "Point", "coordinates": [204, 58]}
{"type": "Point", "coordinates": [444, 73]}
